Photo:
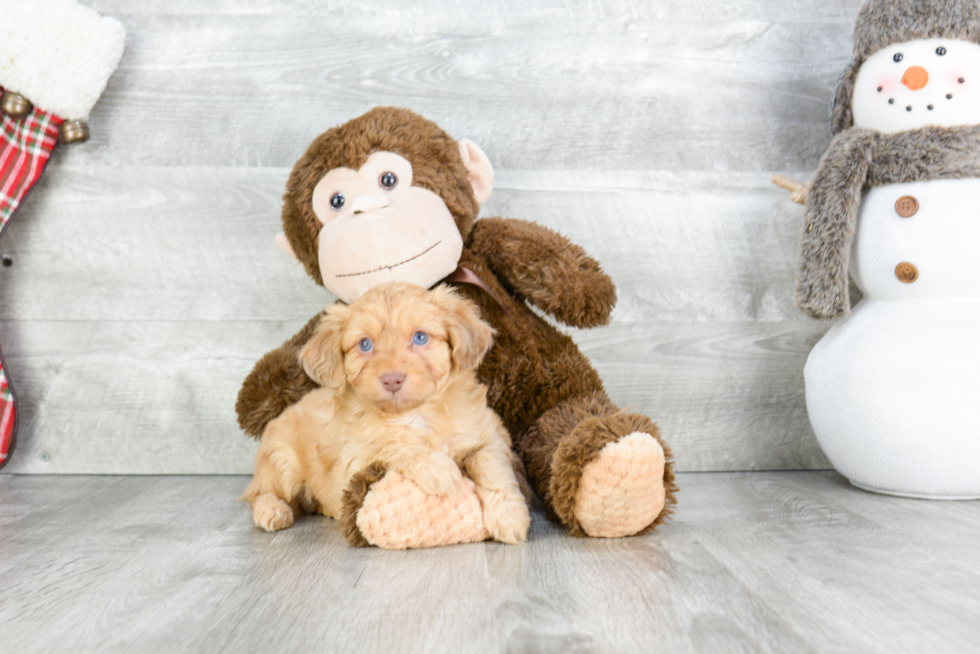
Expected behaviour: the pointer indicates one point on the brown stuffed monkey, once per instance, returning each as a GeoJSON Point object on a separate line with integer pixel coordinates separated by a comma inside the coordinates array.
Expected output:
{"type": "Point", "coordinates": [390, 195]}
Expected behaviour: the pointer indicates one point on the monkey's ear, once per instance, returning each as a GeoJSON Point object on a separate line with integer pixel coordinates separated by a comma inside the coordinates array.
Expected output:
{"type": "Point", "coordinates": [323, 355]}
{"type": "Point", "coordinates": [479, 168]}
{"type": "Point", "coordinates": [284, 245]}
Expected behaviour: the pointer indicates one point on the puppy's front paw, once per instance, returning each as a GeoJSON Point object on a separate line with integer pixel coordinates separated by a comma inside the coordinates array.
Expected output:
{"type": "Point", "coordinates": [271, 513]}
{"type": "Point", "coordinates": [506, 516]}
{"type": "Point", "coordinates": [436, 474]}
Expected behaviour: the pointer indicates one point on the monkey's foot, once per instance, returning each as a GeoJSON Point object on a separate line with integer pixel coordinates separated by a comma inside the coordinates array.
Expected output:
{"type": "Point", "coordinates": [621, 491]}
{"type": "Point", "coordinates": [384, 509]}
{"type": "Point", "coordinates": [612, 477]}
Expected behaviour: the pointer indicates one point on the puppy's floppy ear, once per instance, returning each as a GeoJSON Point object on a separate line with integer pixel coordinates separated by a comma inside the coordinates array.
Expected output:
{"type": "Point", "coordinates": [323, 355]}
{"type": "Point", "coordinates": [470, 337]}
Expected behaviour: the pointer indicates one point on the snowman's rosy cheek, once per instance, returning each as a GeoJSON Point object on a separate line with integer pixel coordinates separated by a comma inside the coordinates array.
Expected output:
{"type": "Point", "coordinates": [884, 85]}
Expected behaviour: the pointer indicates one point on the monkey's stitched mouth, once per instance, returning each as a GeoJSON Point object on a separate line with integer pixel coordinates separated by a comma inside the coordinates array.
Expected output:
{"type": "Point", "coordinates": [394, 265]}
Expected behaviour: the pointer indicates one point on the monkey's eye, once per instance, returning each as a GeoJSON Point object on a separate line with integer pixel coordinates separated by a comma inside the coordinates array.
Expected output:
{"type": "Point", "coordinates": [940, 51]}
{"type": "Point", "coordinates": [365, 345]}
{"type": "Point", "coordinates": [420, 338]}
{"type": "Point", "coordinates": [337, 201]}
{"type": "Point", "coordinates": [898, 57]}
{"type": "Point", "coordinates": [388, 181]}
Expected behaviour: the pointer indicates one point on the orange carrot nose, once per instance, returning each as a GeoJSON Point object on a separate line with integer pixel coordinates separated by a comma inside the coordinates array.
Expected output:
{"type": "Point", "coordinates": [915, 77]}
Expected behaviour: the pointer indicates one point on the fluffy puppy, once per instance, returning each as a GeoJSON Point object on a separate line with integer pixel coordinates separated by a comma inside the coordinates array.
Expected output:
{"type": "Point", "coordinates": [398, 374]}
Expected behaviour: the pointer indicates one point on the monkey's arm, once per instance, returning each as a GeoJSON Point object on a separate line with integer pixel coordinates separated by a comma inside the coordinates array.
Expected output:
{"type": "Point", "coordinates": [831, 218]}
{"type": "Point", "coordinates": [543, 266]}
{"type": "Point", "coordinates": [277, 381]}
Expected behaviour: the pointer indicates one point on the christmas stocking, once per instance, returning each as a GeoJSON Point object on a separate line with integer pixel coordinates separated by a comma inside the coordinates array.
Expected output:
{"type": "Point", "coordinates": [55, 59]}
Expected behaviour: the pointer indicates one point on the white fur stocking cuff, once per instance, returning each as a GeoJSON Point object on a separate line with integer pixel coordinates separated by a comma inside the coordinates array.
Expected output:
{"type": "Point", "coordinates": [58, 54]}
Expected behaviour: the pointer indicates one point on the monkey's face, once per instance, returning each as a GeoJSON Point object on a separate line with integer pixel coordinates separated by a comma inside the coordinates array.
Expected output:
{"type": "Point", "coordinates": [377, 228]}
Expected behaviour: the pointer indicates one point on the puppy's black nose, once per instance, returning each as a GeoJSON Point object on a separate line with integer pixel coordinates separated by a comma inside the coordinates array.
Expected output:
{"type": "Point", "coordinates": [392, 381]}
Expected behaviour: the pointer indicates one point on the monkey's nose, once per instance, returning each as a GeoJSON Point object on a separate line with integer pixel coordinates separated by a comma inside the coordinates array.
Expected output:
{"type": "Point", "coordinates": [915, 77]}
{"type": "Point", "coordinates": [392, 381]}
{"type": "Point", "coordinates": [368, 203]}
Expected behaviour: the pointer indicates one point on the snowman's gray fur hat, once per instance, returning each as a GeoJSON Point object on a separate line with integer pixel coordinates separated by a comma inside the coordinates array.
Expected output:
{"type": "Point", "coordinates": [883, 22]}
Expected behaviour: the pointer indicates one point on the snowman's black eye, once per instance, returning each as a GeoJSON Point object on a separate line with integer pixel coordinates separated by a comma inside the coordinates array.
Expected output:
{"type": "Point", "coordinates": [961, 80]}
{"type": "Point", "coordinates": [337, 201]}
{"type": "Point", "coordinates": [879, 89]}
{"type": "Point", "coordinates": [940, 51]}
{"type": "Point", "coordinates": [891, 100]}
{"type": "Point", "coordinates": [388, 181]}
{"type": "Point", "coordinates": [898, 57]}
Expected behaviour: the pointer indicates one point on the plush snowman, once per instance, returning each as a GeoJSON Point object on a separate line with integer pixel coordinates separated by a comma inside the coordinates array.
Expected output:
{"type": "Point", "coordinates": [893, 389]}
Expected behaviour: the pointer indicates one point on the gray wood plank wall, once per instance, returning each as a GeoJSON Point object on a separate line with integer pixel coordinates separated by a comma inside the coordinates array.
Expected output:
{"type": "Point", "coordinates": [145, 283]}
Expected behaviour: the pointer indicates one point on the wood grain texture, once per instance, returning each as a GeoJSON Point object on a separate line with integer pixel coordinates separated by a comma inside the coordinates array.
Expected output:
{"type": "Point", "coordinates": [145, 284]}
{"type": "Point", "coordinates": [751, 562]}
{"type": "Point", "coordinates": [620, 85]}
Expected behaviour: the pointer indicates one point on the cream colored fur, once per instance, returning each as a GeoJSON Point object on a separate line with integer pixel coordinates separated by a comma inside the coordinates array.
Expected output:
{"type": "Point", "coordinates": [431, 429]}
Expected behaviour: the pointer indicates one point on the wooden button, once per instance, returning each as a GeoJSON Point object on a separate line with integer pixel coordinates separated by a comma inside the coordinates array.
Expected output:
{"type": "Point", "coordinates": [906, 206]}
{"type": "Point", "coordinates": [906, 272]}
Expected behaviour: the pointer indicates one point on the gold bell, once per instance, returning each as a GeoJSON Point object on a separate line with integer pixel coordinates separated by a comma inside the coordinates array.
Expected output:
{"type": "Point", "coordinates": [73, 131]}
{"type": "Point", "coordinates": [15, 105]}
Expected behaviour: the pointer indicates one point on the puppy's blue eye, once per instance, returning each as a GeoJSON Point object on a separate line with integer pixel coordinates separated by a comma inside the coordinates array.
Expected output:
{"type": "Point", "coordinates": [420, 338]}
{"type": "Point", "coordinates": [365, 345]}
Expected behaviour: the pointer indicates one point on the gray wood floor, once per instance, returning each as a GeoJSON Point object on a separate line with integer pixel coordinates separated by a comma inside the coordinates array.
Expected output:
{"type": "Point", "coordinates": [752, 562]}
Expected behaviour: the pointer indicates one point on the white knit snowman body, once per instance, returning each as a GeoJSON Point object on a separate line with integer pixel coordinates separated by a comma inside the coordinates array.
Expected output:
{"type": "Point", "coordinates": [893, 389]}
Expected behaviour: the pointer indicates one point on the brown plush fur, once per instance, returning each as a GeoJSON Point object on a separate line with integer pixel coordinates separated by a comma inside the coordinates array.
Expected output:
{"type": "Point", "coordinates": [840, 111]}
{"type": "Point", "coordinates": [883, 22]}
{"type": "Point", "coordinates": [354, 496]}
{"type": "Point", "coordinates": [532, 367]}
{"type": "Point", "coordinates": [591, 433]}
{"type": "Point", "coordinates": [831, 218]}
{"type": "Point", "coordinates": [276, 369]}
{"type": "Point", "coordinates": [858, 160]}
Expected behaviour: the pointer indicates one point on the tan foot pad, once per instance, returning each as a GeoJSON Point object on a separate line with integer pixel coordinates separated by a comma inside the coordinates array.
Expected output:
{"type": "Point", "coordinates": [622, 490]}
{"type": "Point", "coordinates": [397, 515]}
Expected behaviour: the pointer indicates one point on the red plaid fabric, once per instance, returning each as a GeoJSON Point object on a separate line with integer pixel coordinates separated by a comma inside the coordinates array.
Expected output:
{"type": "Point", "coordinates": [8, 417]}
{"type": "Point", "coordinates": [26, 145]}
